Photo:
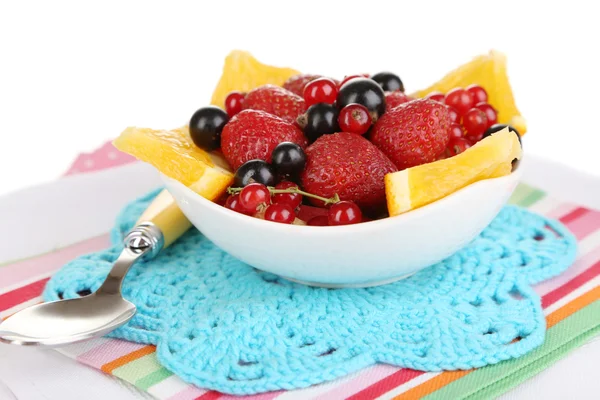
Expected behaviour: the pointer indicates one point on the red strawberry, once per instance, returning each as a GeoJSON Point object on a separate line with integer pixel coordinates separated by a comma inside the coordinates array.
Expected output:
{"type": "Point", "coordinates": [296, 83]}
{"type": "Point", "coordinates": [349, 165]}
{"type": "Point", "coordinates": [394, 99]}
{"type": "Point", "coordinates": [413, 133]}
{"type": "Point", "coordinates": [253, 134]}
{"type": "Point", "coordinates": [276, 101]}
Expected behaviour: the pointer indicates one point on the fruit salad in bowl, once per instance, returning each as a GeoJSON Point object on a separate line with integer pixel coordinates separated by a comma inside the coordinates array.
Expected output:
{"type": "Point", "coordinates": [341, 182]}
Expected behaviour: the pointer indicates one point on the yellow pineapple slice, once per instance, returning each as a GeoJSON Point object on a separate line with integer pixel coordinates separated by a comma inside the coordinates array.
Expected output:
{"type": "Point", "coordinates": [417, 186]}
{"type": "Point", "coordinates": [174, 154]}
{"type": "Point", "coordinates": [243, 72]}
{"type": "Point", "coordinates": [488, 71]}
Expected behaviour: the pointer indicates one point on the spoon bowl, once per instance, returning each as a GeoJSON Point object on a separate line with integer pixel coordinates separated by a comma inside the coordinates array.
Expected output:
{"type": "Point", "coordinates": [67, 321]}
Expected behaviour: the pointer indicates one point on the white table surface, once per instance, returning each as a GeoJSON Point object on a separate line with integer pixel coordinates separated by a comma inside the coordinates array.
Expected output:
{"type": "Point", "coordinates": [33, 374]}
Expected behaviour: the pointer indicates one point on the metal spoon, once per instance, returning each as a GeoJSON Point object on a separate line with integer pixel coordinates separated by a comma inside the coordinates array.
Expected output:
{"type": "Point", "coordinates": [68, 321]}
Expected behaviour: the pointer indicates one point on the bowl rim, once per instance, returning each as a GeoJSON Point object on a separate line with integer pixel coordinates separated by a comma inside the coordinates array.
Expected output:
{"type": "Point", "coordinates": [362, 227]}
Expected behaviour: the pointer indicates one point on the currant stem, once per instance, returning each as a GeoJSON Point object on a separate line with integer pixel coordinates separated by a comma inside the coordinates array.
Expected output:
{"type": "Point", "coordinates": [272, 190]}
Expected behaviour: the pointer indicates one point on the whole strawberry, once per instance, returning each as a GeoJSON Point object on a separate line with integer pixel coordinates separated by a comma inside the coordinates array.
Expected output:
{"type": "Point", "coordinates": [275, 100]}
{"type": "Point", "coordinates": [253, 134]}
{"type": "Point", "coordinates": [349, 165]}
{"type": "Point", "coordinates": [296, 83]}
{"type": "Point", "coordinates": [413, 133]}
{"type": "Point", "coordinates": [394, 99]}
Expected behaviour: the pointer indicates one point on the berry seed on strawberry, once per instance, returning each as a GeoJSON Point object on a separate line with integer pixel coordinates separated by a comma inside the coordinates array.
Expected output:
{"type": "Point", "coordinates": [413, 133]}
{"type": "Point", "coordinates": [253, 134]}
{"type": "Point", "coordinates": [275, 100]}
{"type": "Point", "coordinates": [296, 83]}
{"type": "Point", "coordinates": [349, 165]}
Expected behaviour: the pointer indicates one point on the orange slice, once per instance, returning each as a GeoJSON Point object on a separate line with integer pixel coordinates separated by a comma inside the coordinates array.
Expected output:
{"type": "Point", "coordinates": [417, 186]}
{"type": "Point", "coordinates": [174, 154]}
{"type": "Point", "coordinates": [488, 71]}
{"type": "Point", "coordinates": [243, 72]}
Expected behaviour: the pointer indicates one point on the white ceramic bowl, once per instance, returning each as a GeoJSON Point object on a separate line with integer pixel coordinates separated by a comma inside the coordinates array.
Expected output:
{"type": "Point", "coordinates": [367, 254]}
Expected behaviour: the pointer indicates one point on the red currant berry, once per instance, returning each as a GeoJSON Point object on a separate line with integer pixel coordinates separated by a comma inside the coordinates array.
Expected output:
{"type": "Point", "coordinates": [355, 118]}
{"type": "Point", "coordinates": [280, 212]}
{"type": "Point", "coordinates": [233, 203]}
{"type": "Point", "coordinates": [291, 199]}
{"type": "Point", "coordinates": [490, 113]}
{"type": "Point", "coordinates": [350, 77]}
{"type": "Point", "coordinates": [321, 220]}
{"type": "Point", "coordinates": [344, 213]}
{"type": "Point", "coordinates": [478, 93]}
{"type": "Point", "coordinates": [253, 195]}
{"type": "Point", "coordinates": [234, 102]}
{"type": "Point", "coordinates": [437, 96]}
{"type": "Point", "coordinates": [454, 117]}
{"type": "Point", "coordinates": [475, 122]}
{"type": "Point", "coordinates": [460, 100]}
{"type": "Point", "coordinates": [456, 131]}
{"type": "Point", "coordinates": [457, 146]}
{"type": "Point", "coordinates": [322, 90]}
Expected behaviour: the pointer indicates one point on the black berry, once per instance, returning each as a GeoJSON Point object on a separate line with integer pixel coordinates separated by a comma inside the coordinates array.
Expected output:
{"type": "Point", "coordinates": [288, 159]}
{"type": "Point", "coordinates": [498, 127]}
{"type": "Point", "coordinates": [362, 91]}
{"type": "Point", "coordinates": [320, 119]}
{"type": "Point", "coordinates": [389, 82]}
{"type": "Point", "coordinates": [206, 125]}
{"type": "Point", "coordinates": [254, 171]}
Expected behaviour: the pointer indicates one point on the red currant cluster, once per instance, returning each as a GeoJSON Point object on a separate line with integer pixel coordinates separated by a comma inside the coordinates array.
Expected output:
{"type": "Point", "coordinates": [282, 203]}
{"type": "Point", "coordinates": [471, 115]}
{"type": "Point", "coordinates": [353, 118]}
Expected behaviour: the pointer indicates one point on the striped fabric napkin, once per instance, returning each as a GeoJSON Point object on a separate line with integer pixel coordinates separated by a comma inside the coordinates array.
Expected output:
{"type": "Point", "coordinates": [570, 303]}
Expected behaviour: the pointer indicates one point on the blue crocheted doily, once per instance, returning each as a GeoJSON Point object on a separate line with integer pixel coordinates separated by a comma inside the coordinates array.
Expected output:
{"type": "Point", "coordinates": [223, 325]}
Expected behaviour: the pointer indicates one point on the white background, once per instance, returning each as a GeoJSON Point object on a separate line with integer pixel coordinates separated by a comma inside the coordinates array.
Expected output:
{"type": "Point", "coordinates": [75, 74]}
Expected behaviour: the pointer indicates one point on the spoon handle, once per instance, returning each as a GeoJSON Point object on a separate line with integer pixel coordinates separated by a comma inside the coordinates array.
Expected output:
{"type": "Point", "coordinates": [144, 239]}
{"type": "Point", "coordinates": [160, 225]}
{"type": "Point", "coordinates": [166, 215]}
